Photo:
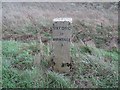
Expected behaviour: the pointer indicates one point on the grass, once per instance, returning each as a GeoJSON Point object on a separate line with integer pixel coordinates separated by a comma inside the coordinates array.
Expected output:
{"type": "Point", "coordinates": [18, 69]}
{"type": "Point", "coordinates": [93, 67]}
{"type": "Point", "coordinates": [90, 68]}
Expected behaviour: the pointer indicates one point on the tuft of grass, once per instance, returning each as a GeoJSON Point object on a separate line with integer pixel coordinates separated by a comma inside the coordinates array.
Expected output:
{"type": "Point", "coordinates": [10, 48]}
{"type": "Point", "coordinates": [58, 80]}
{"type": "Point", "coordinates": [93, 68]}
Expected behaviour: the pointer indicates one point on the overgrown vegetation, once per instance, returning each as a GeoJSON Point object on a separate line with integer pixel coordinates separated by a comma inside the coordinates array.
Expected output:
{"type": "Point", "coordinates": [90, 70]}
{"type": "Point", "coordinates": [93, 66]}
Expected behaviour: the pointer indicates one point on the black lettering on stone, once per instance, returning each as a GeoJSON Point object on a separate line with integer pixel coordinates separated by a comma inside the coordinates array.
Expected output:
{"type": "Point", "coordinates": [61, 39]}
{"type": "Point", "coordinates": [61, 28]}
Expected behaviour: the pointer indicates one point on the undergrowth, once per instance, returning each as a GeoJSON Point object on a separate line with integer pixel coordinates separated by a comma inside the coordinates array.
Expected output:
{"type": "Point", "coordinates": [93, 67]}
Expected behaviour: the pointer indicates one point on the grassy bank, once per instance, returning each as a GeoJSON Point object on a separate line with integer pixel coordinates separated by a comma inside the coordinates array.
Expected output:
{"type": "Point", "coordinates": [93, 67]}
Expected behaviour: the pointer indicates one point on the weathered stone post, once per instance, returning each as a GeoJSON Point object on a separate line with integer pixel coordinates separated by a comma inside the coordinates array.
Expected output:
{"type": "Point", "coordinates": [61, 44]}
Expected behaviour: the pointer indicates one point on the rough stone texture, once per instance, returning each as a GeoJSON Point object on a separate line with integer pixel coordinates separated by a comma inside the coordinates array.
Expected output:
{"type": "Point", "coordinates": [61, 43]}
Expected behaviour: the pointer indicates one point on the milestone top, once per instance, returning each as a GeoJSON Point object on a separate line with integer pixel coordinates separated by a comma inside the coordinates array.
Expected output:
{"type": "Point", "coordinates": [62, 19]}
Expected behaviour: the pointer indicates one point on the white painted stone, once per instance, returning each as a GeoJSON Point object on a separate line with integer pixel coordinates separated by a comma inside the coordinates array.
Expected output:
{"type": "Point", "coordinates": [62, 20]}
{"type": "Point", "coordinates": [61, 43]}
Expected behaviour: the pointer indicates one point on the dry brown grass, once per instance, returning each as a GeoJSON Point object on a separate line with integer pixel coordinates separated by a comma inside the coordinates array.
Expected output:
{"type": "Point", "coordinates": [16, 16]}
